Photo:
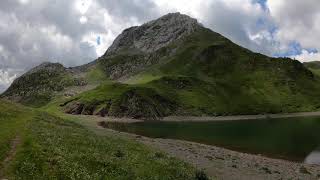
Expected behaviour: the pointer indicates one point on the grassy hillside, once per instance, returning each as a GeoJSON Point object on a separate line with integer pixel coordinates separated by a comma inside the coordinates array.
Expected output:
{"type": "Point", "coordinates": [208, 74]}
{"type": "Point", "coordinates": [314, 66]}
{"type": "Point", "coordinates": [46, 149]}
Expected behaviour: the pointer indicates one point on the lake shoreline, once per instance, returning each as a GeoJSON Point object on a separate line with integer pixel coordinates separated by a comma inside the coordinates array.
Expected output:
{"type": "Point", "coordinates": [218, 162]}
{"type": "Point", "coordinates": [238, 117]}
{"type": "Point", "coordinates": [223, 163]}
{"type": "Point", "coordinates": [206, 118]}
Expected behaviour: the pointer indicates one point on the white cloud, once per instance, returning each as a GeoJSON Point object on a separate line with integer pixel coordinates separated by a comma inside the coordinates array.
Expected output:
{"type": "Point", "coordinates": [192, 7]}
{"type": "Point", "coordinates": [306, 56]}
{"type": "Point", "coordinates": [24, 1]}
{"type": "Point", "coordinates": [297, 21]}
{"type": "Point", "coordinates": [83, 19]}
{"type": "Point", "coordinates": [83, 5]}
{"type": "Point", "coordinates": [6, 78]}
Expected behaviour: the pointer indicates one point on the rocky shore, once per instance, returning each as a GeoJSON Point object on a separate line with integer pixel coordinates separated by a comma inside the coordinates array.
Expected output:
{"type": "Point", "coordinates": [221, 163]}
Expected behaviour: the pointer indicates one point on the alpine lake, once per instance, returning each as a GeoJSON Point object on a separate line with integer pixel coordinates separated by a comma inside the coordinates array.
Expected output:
{"type": "Point", "coordinates": [295, 139]}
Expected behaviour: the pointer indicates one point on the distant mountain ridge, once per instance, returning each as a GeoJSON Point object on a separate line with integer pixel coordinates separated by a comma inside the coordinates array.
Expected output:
{"type": "Point", "coordinates": [174, 66]}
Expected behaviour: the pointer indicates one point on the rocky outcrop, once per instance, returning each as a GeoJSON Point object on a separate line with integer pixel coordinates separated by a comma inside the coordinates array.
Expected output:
{"type": "Point", "coordinates": [153, 35]}
{"type": "Point", "coordinates": [142, 105]}
{"type": "Point", "coordinates": [134, 103]}
{"type": "Point", "coordinates": [140, 47]}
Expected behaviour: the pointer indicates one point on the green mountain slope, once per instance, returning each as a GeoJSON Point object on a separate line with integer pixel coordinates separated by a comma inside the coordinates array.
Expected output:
{"type": "Point", "coordinates": [175, 66]}
{"type": "Point", "coordinates": [207, 74]}
{"type": "Point", "coordinates": [313, 66]}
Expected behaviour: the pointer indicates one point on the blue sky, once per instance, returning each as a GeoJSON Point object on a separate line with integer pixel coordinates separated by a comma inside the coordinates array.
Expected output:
{"type": "Point", "coordinates": [262, 3]}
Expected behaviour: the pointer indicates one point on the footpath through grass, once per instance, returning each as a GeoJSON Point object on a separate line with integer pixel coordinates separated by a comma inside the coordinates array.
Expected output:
{"type": "Point", "coordinates": [55, 148]}
{"type": "Point", "coordinates": [13, 119]}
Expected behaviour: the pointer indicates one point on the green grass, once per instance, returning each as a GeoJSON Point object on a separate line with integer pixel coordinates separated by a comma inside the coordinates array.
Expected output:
{"type": "Point", "coordinates": [95, 75]}
{"type": "Point", "coordinates": [13, 120]}
{"type": "Point", "coordinates": [56, 148]}
{"type": "Point", "coordinates": [61, 149]}
{"type": "Point", "coordinates": [142, 78]}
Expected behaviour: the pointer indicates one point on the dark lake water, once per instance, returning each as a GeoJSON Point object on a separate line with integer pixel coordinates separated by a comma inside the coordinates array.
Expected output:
{"type": "Point", "coordinates": [295, 139]}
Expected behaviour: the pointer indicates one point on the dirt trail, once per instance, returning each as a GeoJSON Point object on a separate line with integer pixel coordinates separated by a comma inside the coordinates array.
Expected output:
{"type": "Point", "coordinates": [11, 154]}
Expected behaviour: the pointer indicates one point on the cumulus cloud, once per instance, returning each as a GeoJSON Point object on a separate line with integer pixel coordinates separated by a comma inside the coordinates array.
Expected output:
{"type": "Point", "coordinates": [6, 78]}
{"type": "Point", "coordinates": [75, 32]}
{"type": "Point", "coordinates": [297, 22]}
{"type": "Point", "coordinates": [307, 56]}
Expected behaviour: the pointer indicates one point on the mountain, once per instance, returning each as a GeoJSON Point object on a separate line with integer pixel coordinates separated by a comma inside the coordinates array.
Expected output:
{"type": "Point", "coordinates": [174, 66]}
{"type": "Point", "coordinates": [36, 87]}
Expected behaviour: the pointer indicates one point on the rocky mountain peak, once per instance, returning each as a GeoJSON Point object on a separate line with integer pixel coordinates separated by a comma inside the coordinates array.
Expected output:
{"type": "Point", "coordinates": [153, 35]}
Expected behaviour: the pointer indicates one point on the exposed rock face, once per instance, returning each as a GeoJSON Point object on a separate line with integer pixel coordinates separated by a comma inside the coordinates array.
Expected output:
{"type": "Point", "coordinates": [140, 47]}
{"type": "Point", "coordinates": [139, 106]}
{"type": "Point", "coordinates": [154, 35]}
{"type": "Point", "coordinates": [133, 103]}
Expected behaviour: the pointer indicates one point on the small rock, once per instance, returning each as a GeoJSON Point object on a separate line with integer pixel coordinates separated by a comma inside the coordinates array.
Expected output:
{"type": "Point", "coordinates": [304, 170]}
{"type": "Point", "coordinates": [266, 170]}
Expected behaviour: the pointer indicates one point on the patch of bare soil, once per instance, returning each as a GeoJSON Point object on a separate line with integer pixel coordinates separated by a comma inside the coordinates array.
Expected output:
{"type": "Point", "coordinates": [11, 154]}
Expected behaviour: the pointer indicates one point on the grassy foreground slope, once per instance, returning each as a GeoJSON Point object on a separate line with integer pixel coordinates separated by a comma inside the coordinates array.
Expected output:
{"type": "Point", "coordinates": [55, 148]}
{"type": "Point", "coordinates": [13, 119]}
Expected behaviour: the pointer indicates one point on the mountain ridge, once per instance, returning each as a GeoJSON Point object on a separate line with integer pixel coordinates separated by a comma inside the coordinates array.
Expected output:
{"type": "Point", "coordinates": [175, 62]}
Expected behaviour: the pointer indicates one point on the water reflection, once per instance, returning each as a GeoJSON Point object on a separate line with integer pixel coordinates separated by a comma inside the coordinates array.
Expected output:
{"type": "Point", "coordinates": [292, 139]}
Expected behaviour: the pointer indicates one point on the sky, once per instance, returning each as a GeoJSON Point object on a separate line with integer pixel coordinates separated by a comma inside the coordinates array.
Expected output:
{"type": "Point", "coordinates": [74, 32]}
